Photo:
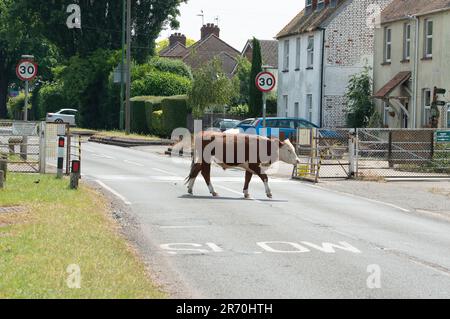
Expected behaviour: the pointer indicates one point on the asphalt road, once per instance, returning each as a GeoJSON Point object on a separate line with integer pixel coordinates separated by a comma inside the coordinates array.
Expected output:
{"type": "Point", "coordinates": [307, 242]}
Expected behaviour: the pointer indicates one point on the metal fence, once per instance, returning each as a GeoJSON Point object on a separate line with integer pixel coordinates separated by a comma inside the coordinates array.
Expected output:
{"type": "Point", "coordinates": [373, 153]}
{"type": "Point", "coordinates": [20, 145]}
{"type": "Point", "coordinates": [32, 147]}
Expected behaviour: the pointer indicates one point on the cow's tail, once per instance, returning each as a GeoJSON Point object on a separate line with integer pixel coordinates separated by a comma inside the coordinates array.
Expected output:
{"type": "Point", "coordinates": [186, 181]}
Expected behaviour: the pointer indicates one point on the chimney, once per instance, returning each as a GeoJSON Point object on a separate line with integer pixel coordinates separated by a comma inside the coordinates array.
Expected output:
{"type": "Point", "coordinates": [210, 28]}
{"type": "Point", "coordinates": [177, 38]}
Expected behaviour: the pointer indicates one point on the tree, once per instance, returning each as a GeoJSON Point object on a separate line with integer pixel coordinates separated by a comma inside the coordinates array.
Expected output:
{"type": "Point", "coordinates": [255, 96]}
{"type": "Point", "coordinates": [360, 106]}
{"type": "Point", "coordinates": [100, 24]}
{"type": "Point", "coordinates": [242, 81]}
{"type": "Point", "coordinates": [17, 38]}
{"type": "Point", "coordinates": [211, 88]}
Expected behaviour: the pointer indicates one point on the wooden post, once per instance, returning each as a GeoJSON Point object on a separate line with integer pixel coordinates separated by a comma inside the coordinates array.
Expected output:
{"type": "Point", "coordinates": [2, 180]}
{"type": "Point", "coordinates": [4, 164]}
{"type": "Point", "coordinates": [391, 163]}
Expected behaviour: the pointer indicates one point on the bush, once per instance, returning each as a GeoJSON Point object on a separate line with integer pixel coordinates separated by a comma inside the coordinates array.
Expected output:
{"type": "Point", "coordinates": [159, 83]}
{"type": "Point", "coordinates": [51, 98]}
{"type": "Point", "coordinates": [138, 120]}
{"type": "Point", "coordinates": [157, 121]}
{"type": "Point", "coordinates": [15, 106]}
{"type": "Point", "coordinates": [240, 110]}
{"type": "Point", "coordinates": [177, 67]}
{"type": "Point", "coordinates": [175, 111]}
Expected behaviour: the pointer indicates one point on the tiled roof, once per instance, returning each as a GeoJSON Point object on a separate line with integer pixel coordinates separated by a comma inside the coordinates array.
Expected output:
{"type": "Point", "coordinates": [269, 51]}
{"type": "Point", "coordinates": [177, 51]}
{"type": "Point", "coordinates": [400, 9]}
{"type": "Point", "coordinates": [399, 79]}
{"type": "Point", "coordinates": [306, 22]}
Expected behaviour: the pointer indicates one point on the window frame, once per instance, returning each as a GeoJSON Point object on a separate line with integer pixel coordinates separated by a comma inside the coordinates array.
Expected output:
{"type": "Point", "coordinates": [287, 45]}
{"type": "Point", "coordinates": [310, 52]}
{"type": "Point", "coordinates": [428, 50]}
{"type": "Point", "coordinates": [426, 108]}
{"type": "Point", "coordinates": [407, 41]}
{"type": "Point", "coordinates": [298, 46]}
{"type": "Point", "coordinates": [387, 44]}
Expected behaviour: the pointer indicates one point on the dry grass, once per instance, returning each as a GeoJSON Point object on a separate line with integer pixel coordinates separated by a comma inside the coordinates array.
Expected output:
{"type": "Point", "coordinates": [62, 227]}
{"type": "Point", "coordinates": [120, 134]}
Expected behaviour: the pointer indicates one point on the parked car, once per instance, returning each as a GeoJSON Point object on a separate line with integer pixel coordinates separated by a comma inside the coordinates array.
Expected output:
{"type": "Point", "coordinates": [67, 116]}
{"type": "Point", "coordinates": [222, 125]}
{"type": "Point", "coordinates": [245, 124]}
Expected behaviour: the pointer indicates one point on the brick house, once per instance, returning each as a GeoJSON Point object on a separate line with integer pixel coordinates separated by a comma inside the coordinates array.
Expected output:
{"type": "Point", "coordinates": [210, 46]}
{"type": "Point", "coordinates": [319, 50]}
{"type": "Point", "coordinates": [412, 52]}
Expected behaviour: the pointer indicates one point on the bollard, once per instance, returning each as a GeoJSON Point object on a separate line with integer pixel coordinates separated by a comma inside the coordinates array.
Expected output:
{"type": "Point", "coordinates": [61, 144]}
{"type": "Point", "coordinates": [75, 174]}
{"type": "Point", "coordinates": [4, 164]}
{"type": "Point", "coordinates": [2, 180]}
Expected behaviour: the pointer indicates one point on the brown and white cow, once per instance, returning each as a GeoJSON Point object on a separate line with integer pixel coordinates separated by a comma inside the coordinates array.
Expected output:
{"type": "Point", "coordinates": [252, 153]}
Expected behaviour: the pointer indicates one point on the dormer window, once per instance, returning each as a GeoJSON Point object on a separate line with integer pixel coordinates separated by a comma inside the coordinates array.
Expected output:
{"type": "Point", "coordinates": [308, 3]}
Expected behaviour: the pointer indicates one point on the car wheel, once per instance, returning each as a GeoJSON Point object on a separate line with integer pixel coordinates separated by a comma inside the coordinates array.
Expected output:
{"type": "Point", "coordinates": [59, 121]}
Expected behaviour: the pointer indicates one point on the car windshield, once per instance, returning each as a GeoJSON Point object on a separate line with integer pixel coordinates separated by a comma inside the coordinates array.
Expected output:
{"type": "Point", "coordinates": [230, 124]}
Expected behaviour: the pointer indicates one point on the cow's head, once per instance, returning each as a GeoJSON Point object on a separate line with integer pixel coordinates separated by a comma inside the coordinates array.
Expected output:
{"type": "Point", "coordinates": [287, 153]}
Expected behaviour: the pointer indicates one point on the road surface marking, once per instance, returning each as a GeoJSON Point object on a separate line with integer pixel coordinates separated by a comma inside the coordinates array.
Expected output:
{"type": "Point", "coordinates": [361, 197]}
{"type": "Point", "coordinates": [103, 156]}
{"type": "Point", "coordinates": [165, 172]}
{"type": "Point", "coordinates": [133, 163]}
{"type": "Point", "coordinates": [114, 192]}
{"type": "Point", "coordinates": [238, 193]}
{"type": "Point", "coordinates": [180, 227]}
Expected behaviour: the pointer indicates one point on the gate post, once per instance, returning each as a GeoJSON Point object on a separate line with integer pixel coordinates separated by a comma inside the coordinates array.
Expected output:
{"type": "Point", "coordinates": [352, 154]}
{"type": "Point", "coordinates": [42, 148]}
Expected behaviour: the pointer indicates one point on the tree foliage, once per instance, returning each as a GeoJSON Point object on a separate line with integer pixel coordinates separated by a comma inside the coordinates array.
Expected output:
{"type": "Point", "coordinates": [360, 106]}
{"type": "Point", "coordinates": [255, 96]}
{"type": "Point", "coordinates": [242, 81]}
{"type": "Point", "coordinates": [211, 88]}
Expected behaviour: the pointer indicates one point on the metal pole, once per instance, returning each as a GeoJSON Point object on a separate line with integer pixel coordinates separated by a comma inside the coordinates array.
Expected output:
{"type": "Point", "coordinates": [264, 109]}
{"type": "Point", "coordinates": [25, 109]}
{"type": "Point", "coordinates": [122, 67]}
{"type": "Point", "coordinates": [128, 93]}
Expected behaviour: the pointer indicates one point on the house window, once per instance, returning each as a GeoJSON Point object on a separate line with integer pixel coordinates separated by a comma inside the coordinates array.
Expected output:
{"type": "Point", "coordinates": [297, 55]}
{"type": "Point", "coordinates": [286, 56]}
{"type": "Point", "coordinates": [297, 110]}
{"type": "Point", "coordinates": [407, 42]}
{"type": "Point", "coordinates": [426, 107]}
{"type": "Point", "coordinates": [308, 3]}
{"type": "Point", "coordinates": [387, 45]}
{"type": "Point", "coordinates": [286, 106]}
{"type": "Point", "coordinates": [309, 106]}
{"type": "Point", "coordinates": [428, 39]}
{"type": "Point", "coordinates": [310, 51]}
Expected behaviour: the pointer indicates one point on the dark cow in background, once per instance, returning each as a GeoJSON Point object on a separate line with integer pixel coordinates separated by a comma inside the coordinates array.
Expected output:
{"type": "Point", "coordinates": [255, 154]}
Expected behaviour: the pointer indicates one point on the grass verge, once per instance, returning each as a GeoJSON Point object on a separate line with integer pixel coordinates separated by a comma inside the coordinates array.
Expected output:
{"type": "Point", "coordinates": [58, 228]}
{"type": "Point", "coordinates": [120, 134]}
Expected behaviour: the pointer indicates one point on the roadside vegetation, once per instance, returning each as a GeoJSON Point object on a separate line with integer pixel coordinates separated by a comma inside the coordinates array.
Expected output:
{"type": "Point", "coordinates": [56, 227]}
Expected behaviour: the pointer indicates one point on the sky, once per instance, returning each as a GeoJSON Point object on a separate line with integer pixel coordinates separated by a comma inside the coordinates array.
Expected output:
{"type": "Point", "coordinates": [239, 20]}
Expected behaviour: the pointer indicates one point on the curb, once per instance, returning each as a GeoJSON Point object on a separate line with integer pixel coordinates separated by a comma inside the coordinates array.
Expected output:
{"type": "Point", "coordinates": [128, 142]}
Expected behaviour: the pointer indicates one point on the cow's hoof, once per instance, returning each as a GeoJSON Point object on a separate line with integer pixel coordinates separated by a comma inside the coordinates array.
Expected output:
{"type": "Point", "coordinates": [190, 192]}
{"type": "Point", "coordinates": [246, 196]}
{"type": "Point", "coordinates": [269, 196]}
{"type": "Point", "coordinates": [215, 194]}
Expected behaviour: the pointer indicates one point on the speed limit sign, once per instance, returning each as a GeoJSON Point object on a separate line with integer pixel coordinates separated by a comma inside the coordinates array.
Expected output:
{"type": "Point", "coordinates": [26, 70]}
{"type": "Point", "coordinates": [265, 81]}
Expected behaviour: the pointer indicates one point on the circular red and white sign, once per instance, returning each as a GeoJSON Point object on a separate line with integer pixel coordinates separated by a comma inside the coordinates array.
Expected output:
{"type": "Point", "coordinates": [265, 81]}
{"type": "Point", "coordinates": [26, 70]}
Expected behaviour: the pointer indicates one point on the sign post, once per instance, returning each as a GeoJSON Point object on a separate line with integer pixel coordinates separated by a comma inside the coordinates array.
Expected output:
{"type": "Point", "coordinates": [26, 71]}
{"type": "Point", "coordinates": [265, 82]}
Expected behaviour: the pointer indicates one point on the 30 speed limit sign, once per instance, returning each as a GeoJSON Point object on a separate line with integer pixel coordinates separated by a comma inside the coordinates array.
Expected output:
{"type": "Point", "coordinates": [265, 81]}
{"type": "Point", "coordinates": [26, 70]}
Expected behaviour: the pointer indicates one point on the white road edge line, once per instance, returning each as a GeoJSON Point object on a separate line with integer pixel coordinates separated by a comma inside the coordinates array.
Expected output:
{"type": "Point", "coordinates": [121, 197]}
{"type": "Point", "coordinates": [133, 163]}
{"type": "Point", "coordinates": [361, 197]}
{"type": "Point", "coordinates": [164, 172]}
{"type": "Point", "coordinates": [180, 227]}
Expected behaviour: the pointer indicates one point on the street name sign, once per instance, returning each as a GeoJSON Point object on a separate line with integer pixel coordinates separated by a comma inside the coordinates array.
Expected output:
{"type": "Point", "coordinates": [443, 136]}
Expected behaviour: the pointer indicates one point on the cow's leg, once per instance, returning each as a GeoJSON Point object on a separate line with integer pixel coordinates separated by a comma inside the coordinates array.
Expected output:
{"type": "Point", "coordinates": [248, 178]}
{"type": "Point", "coordinates": [196, 169]}
{"type": "Point", "coordinates": [206, 172]}
{"type": "Point", "coordinates": [265, 180]}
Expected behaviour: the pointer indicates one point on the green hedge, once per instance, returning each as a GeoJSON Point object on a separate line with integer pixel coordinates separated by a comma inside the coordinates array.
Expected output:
{"type": "Point", "coordinates": [158, 115]}
{"type": "Point", "coordinates": [159, 83]}
{"type": "Point", "coordinates": [51, 98]}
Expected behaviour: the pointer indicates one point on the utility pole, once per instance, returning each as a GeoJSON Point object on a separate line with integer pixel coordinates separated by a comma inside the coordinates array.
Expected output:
{"type": "Point", "coordinates": [128, 93]}
{"type": "Point", "coordinates": [122, 67]}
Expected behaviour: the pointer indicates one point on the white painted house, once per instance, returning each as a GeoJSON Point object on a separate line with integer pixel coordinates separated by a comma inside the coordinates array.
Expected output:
{"type": "Point", "coordinates": [319, 50]}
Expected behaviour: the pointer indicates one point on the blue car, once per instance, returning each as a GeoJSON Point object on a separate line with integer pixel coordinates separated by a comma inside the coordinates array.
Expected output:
{"type": "Point", "coordinates": [276, 126]}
